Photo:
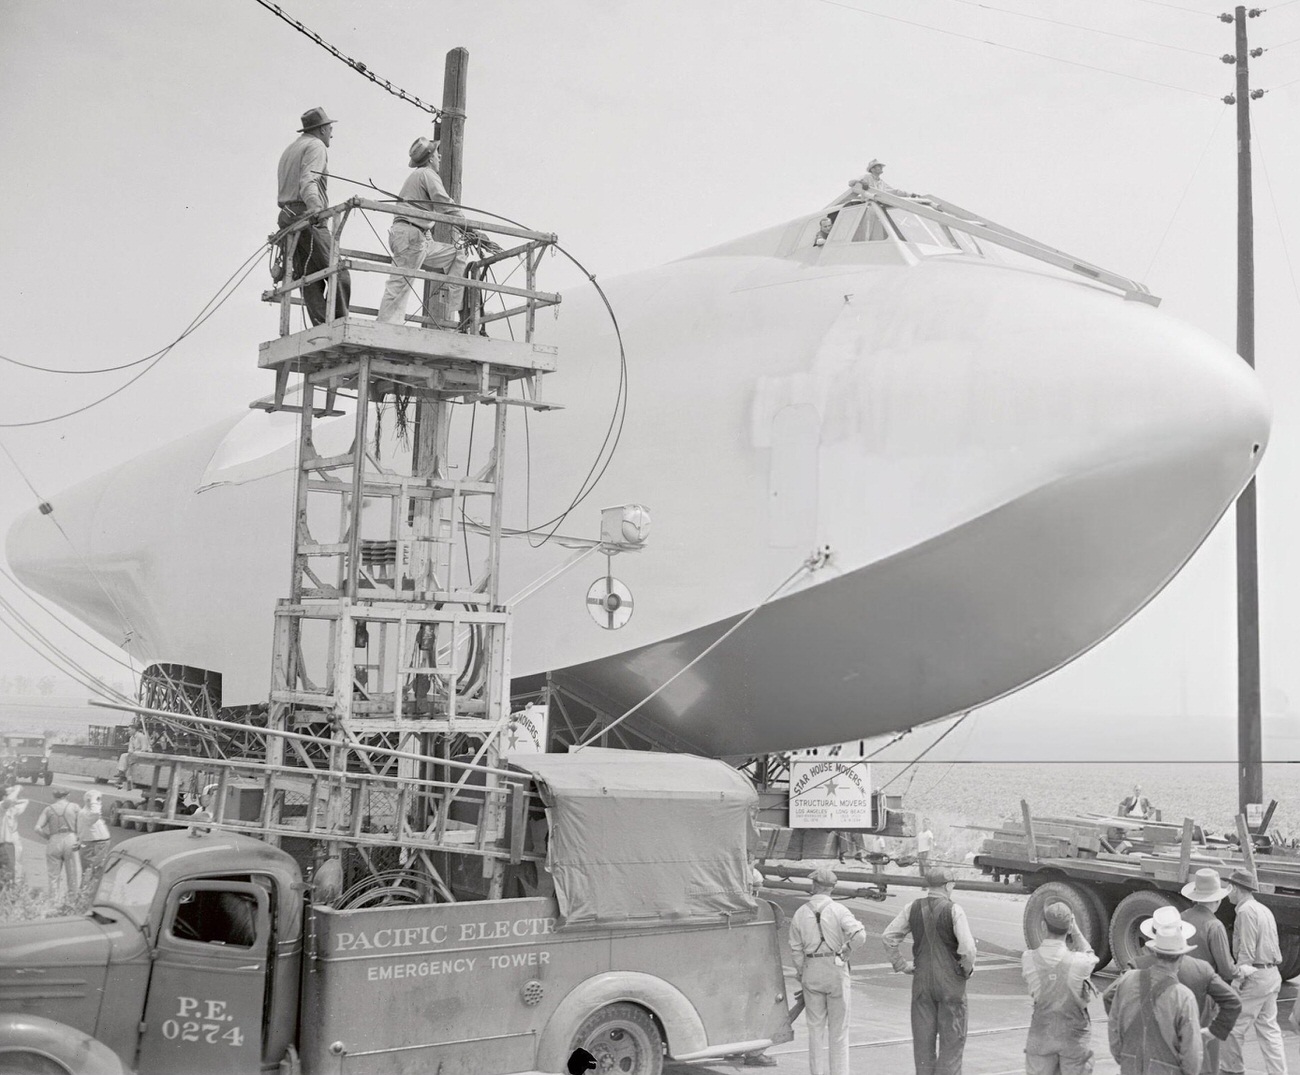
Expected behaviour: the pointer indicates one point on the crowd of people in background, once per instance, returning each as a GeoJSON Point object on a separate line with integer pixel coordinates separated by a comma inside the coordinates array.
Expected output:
{"type": "Point", "coordinates": [76, 841]}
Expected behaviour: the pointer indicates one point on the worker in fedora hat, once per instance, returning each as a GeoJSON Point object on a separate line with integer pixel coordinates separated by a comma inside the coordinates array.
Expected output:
{"type": "Point", "coordinates": [301, 176]}
{"type": "Point", "coordinates": [1155, 1027]}
{"type": "Point", "coordinates": [823, 934]}
{"type": "Point", "coordinates": [943, 958]}
{"type": "Point", "coordinates": [1206, 890]}
{"type": "Point", "coordinates": [411, 244]}
{"type": "Point", "coordinates": [1218, 1004]}
{"type": "Point", "coordinates": [1256, 953]}
{"type": "Point", "coordinates": [1058, 973]}
{"type": "Point", "coordinates": [870, 182]}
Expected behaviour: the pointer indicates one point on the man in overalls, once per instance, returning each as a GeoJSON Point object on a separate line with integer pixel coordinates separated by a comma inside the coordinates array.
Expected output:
{"type": "Point", "coordinates": [1155, 1028]}
{"type": "Point", "coordinates": [1058, 973]}
{"type": "Point", "coordinates": [58, 824]}
{"type": "Point", "coordinates": [943, 957]}
{"type": "Point", "coordinates": [822, 935]}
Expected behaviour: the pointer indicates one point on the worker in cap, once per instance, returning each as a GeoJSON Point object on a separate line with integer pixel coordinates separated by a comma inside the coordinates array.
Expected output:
{"type": "Point", "coordinates": [58, 824]}
{"type": "Point", "coordinates": [302, 176]}
{"type": "Point", "coordinates": [943, 958]}
{"type": "Point", "coordinates": [411, 244]}
{"type": "Point", "coordinates": [1059, 975]}
{"type": "Point", "coordinates": [1155, 1026]}
{"type": "Point", "coordinates": [1256, 954]}
{"type": "Point", "coordinates": [823, 934]}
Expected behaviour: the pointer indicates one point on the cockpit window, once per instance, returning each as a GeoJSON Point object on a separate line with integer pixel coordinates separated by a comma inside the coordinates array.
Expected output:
{"type": "Point", "coordinates": [915, 229]}
{"type": "Point", "coordinates": [871, 228]}
{"type": "Point", "coordinates": [130, 886]}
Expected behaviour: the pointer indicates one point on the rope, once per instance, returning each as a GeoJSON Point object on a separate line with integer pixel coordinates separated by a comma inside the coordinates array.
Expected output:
{"type": "Point", "coordinates": [814, 561]}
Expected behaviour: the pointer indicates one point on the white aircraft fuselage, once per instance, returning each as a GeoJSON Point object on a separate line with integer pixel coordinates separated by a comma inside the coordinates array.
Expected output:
{"type": "Point", "coordinates": [1005, 465]}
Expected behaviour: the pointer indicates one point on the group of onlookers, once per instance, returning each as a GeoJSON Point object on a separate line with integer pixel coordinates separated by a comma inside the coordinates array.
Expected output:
{"type": "Point", "coordinates": [76, 840]}
{"type": "Point", "coordinates": [1186, 1008]}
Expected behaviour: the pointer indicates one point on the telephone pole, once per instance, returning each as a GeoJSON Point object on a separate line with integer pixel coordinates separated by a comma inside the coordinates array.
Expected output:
{"type": "Point", "coordinates": [1250, 760]}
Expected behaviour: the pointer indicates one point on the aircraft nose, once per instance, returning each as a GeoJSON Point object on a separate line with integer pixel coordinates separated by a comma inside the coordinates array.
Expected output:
{"type": "Point", "coordinates": [988, 385]}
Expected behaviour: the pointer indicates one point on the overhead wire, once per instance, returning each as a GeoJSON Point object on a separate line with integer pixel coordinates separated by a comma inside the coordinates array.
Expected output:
{"type": "Point", "coordinates": [356, 65]}
{"type": "Point", "coordinates": [1186, 187]}
{"type": "Point", "coordinates": [17, 584]}
{"type": "Point", "coordinates": [808, 565]}
{"type": "Point", "coordinates": [208, 309]}
{"type": "Point", "coordinates": [1277, 217]}
{"type": "Point", "coordinates": [1179, 7]}
{"type": "Point", "coordinates": [1015, 48]}
{"type": "Point", "coordinates": [911, 764]}
{"type": "Point", "coordinates": [1089, 29]}
{"type": "Point", "coordinates": [618, 414]}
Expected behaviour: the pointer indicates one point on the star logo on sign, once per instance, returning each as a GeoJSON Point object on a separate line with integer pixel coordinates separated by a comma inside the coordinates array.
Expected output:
{"type": "Point", "coordinates": [514, 736]}
{"type": "Point", "coordinates": [830, 785]}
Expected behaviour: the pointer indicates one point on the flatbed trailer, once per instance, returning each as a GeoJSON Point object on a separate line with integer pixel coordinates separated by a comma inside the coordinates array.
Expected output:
{"type": "Point", "coordinates": [1112, 890]}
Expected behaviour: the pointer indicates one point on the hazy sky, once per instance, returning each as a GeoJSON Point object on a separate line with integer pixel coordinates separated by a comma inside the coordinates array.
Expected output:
{"type": "Point", "coordinates": [140, 141]}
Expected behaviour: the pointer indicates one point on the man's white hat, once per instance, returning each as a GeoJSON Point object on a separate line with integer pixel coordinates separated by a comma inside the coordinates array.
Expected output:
{"type": "Point", "coordinates": [874, 162]}
{"type": "Point", "coordinates": [1168, 932]}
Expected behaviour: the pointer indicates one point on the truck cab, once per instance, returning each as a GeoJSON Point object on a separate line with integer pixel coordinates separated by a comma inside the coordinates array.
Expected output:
{"type": "Point", "coordinates": [203, 952]}
{"type": "Point", "coordinates": [27, 757]}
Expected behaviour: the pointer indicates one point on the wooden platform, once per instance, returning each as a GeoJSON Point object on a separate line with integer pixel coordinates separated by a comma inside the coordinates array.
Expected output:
{"type": "Point", "coordinates": [344, 339]}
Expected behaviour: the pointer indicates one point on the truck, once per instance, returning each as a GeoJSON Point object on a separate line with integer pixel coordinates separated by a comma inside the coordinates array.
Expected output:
{"type": "Point", "coordinates": [638, 937]}
{"type": "Point", "coordinates": [1115, 872]}
{"type": "Point", "coordinates": [26, 757]}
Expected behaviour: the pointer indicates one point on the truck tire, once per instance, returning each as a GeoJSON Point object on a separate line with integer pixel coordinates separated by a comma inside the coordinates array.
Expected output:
{"type": "Point", "coordinates": [49, 778]}
{"type": "Point", "coordinates": [1126, 940]}
{"type": "Point", "coordinates": [1290, 944]}
{"type": "Point", "coordinates": [23, 1062]}
{"type": "Point", "coordinates": [622, 1038]}
{"type": "Point", "coordinates": [1088, 910]}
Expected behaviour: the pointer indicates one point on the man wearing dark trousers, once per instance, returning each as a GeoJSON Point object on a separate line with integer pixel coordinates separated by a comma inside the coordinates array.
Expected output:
{"type": "Point", "coordinates": [301, 176]}
{"type": "Point", "coordinates": [943, 958]}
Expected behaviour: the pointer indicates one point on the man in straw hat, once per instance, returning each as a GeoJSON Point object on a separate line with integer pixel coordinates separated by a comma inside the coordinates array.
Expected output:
{"type": "Point", "coordinates": [1218, 1003]}
{"type": "Point", "coordinates": [943, 957]}
{"type": "Point", "coordinates": [1058, 973]}
{"type": "Point", "coordinates": [410, 244]}
{"type": "Point", "coordinates": [1257, 954]}
{"type": "Point", "coordinates": [1210, 945]}
{"type": "Point", "coordinates": [1155, 1028]}
{"type": "Point", "coordinates": [822, 935]}
{"type": "Point", "coordinates": [302, 190]}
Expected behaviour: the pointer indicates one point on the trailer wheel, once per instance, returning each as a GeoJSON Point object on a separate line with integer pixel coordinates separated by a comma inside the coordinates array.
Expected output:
{"type": "Point", "coordinates": [1290, 944]}
{"type": "Point", "coordinates": [1126, 940]}
{"type": "Point", "coordinates": [622, 1038]}
{"type": "Point", "coordinates": [1088, 910]}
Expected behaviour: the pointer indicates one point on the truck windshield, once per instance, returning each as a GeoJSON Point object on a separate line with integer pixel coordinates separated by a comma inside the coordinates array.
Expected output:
{"type": "Point", "coordinates": [130, 886]}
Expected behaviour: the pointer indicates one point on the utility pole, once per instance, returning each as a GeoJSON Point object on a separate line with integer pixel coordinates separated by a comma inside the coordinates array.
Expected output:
{"type": "Point", "coordinates": [1250, 759]}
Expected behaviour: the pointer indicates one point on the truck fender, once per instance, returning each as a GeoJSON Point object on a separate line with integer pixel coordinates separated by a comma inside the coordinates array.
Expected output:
{"type": "Point", "coordinates": [74, 1049]}
{"type": "Point", "coordinates": [683, 1027]}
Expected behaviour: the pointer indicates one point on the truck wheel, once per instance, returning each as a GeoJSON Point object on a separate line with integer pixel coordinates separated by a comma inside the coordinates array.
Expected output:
{"type": "Point", "coordinates": [22, 1062]}
{"type": "Point", "coordinates": [49, 779]}
{"type": "Point", "coordinates": [1088, 910]}
{"type": "Point", "coordinates": [622, 1038]}
{"type": "Point", "coordinates": [1126, 940]}
{"type": "Point", "coordinates": [1290, 965]}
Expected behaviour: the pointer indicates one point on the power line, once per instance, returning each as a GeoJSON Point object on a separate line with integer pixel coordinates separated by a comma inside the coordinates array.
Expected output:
{"type": "Point", "coordinates": [209, 308]}
{"type": "Point", "coordinates": [1195, 168]}
{"type": "Point", "coordinates": [1179, 7]}
{"type": "Point", "coordinates": [356, 65]}
{"type": "Point", "coordinates": [1277, 217]}
{"type": "Point", "coordinates": [1014, 48]}
{"type": "Point", "coordinates": [1089, 29]}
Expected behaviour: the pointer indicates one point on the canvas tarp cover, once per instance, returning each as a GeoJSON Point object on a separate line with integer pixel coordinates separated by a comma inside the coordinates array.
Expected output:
{"type": "Point", "coordinates": [645, 839]}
